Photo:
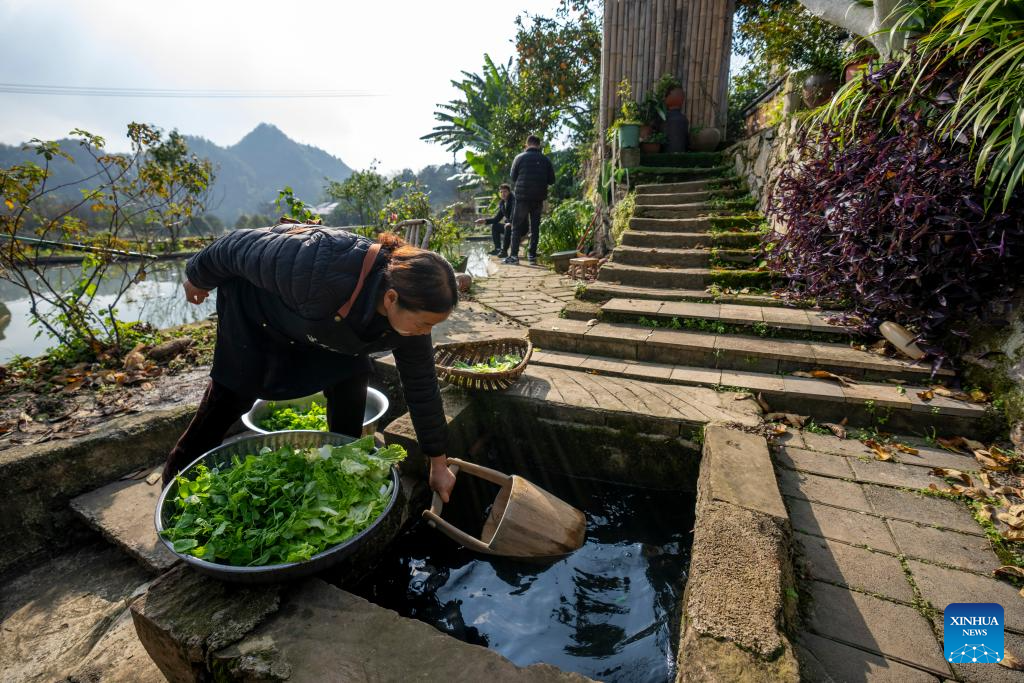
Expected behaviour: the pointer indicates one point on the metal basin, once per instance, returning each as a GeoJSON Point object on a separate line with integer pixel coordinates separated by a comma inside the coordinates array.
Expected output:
{"type": "Point", "coordinates": [376, 406]}
{"type": "Point", "coordinates": [221, 457]}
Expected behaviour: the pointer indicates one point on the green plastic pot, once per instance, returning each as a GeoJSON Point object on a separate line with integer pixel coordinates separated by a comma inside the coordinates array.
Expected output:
{"type": "Point", "coordinates": [629, 135]}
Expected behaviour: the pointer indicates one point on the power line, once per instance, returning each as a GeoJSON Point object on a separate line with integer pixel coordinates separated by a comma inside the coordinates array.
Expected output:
{"type": "Point", "coordinates": [88, 91]}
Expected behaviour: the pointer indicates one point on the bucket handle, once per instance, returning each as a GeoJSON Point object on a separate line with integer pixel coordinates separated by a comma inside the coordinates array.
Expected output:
{"type": "Point", "coordinates": [433, 515]}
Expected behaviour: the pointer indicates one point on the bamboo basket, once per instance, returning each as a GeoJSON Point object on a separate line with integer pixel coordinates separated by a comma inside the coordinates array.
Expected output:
{"type": "Point", "coordinates": [446, 355]}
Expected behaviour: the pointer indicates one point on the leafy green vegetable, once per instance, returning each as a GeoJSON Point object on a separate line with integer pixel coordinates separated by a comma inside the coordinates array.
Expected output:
{"type": "Point", "coordinates": [493, 364]}
{"type": "Point", "coordinates": [281, 506]}
{"type": "Point", "coordinates": [287, 418]}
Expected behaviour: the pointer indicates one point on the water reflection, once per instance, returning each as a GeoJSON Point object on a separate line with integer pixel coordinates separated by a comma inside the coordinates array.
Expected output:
{"type": "Point", "coordinates": [157, 300]}
{"type": "Point", "coordinates": [608, 611]}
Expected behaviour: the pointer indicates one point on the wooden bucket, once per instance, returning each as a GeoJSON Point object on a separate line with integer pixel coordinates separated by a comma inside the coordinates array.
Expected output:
{"type": "Point", "coordinates": [525, 521]}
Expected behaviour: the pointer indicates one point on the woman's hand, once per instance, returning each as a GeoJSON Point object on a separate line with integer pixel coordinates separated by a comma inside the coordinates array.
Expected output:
{"type": "Point", "coordinates": [194, 294]}
{"type": "Point", "coordinates": [441, 478]}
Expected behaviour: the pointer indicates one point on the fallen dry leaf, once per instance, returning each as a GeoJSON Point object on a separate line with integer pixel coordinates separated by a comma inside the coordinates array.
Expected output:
{"type": "Point", "coordinates": [953, 444]}
{"type": "Point", "coordinates": [792, 419]}
{"type": "Point", "coordinates": [1009, 571]}
{"type": "Point", "coordinates": [947, 473]}
{"type": "Point", "coordinates": [986, 480]}
{"type": "Point", "coordinates": [825, 374]}
{"type": "Point", "coordinates": [763, 403]}
{"type": "Point", "coordinates": [972, 444]}
{"type": "Point", "coordinates": [1016, 510]}
{"type": "Point", "coordinates": [881, 452]}
{"type": "Point", "coordinates": [987, 512]}
{"type": "Point", "coordinates": [926, 395]}
{"type": "Point", "coordinates": [1009, 661]}
{"type": "Point", "coordinates": [837, 429]}
{"type": "Point", "coordinates": [904, 448]}
{"type": "Point", "coordinates": [1009, 520]}
{"type": "Point", "coordinates": [1015, 535]}
{"type": "Point", "coordinates": [988, 462]}
{"type": "Point", "coordinates": [777, 428]}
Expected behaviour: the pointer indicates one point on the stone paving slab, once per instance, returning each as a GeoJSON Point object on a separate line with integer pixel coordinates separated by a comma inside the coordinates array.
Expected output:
{"type": "Point", "coordinates": [847, 565]}
{"type": "Point", "coordinates": [892, 474]}
{"type": "Point", "coordinates": [837, 492]}
{"type": "Point", "coordinates": [925, 509]}
{"type": "Point", "coordinates": [831, 444]}
{"type": "Point", "coordinates": [123, 513]}
{"type": "Point", "coordinates": [874, 624]}
{"type": "Point", "coordinates": [691, 405]}
{"type": "Point", "coordinates": [941, 586]}
{"type": "Point", "coordinates": [826, 660]}
{"type": "Point", "coordinates": [842, 525]}
{"type": "Point", "coordinates": [814, 462]}
{"type": "Point", "coordinates": [946, 547]}
{"type": "Point", "coordinates": [987, 673]}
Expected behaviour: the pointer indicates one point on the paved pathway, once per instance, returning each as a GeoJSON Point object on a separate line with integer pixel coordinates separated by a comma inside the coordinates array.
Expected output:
{"type": "Point", "coordinates": [526, 294]}
{"type": "Point", "coordinates": [881, 560]}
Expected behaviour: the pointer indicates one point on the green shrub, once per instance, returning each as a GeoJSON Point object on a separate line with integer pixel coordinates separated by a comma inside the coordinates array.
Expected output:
{"type": "Point", "coordinates": [565, 226]}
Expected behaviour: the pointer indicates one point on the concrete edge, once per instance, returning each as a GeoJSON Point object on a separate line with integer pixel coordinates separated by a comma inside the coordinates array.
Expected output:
{"type": "Point", "coordinates": [739, 601]}
{"type": "Point", "coordinates": [38, 482]}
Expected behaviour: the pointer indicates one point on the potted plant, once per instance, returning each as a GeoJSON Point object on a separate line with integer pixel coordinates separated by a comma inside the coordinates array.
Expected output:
{"type": "Point", "coordinates": [669, 90]}
{"type": "Point", "coordinates": [653, 112]}
{"type": "Point", "coordinates": [627, 125]}
{"type": "Point", "coordinates": [861, 53]}
{"type": "Point", "coordinates": [705, 139]}
{"type": "Point", "coordinates": [652, 143]}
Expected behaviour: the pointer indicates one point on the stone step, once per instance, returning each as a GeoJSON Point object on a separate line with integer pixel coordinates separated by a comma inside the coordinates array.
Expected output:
{"type": "Point", "coordinates": [671, 258]}
{"type": "Point", "coordinates": [603, 291]}
{"type": "Point", "coordinates": [683, 278]}
{"type": "Point", "coordinates": [666, 240]}
{"type": "Point", "coordinates": [720, 205]}
{"type": "Point", "coordinates": [668, 174]}
{"type": "Point", "coordinates": [721, 351]}
{"type": "Point", "coordinates": [670, 210]}
{"type": "Point", "coordinates": [688, 186]}
{"type": "Point", "coordinates": [688, 197]}
{"type": "Point", "coordinates": [862, 404]}
{"type": "Point", "coordinates": [684, 159]}
{"type": "Point", "coordinates": [768, 318]}
{"type": "Point", "coordinates": [123, 513]}
{"type": "Point", "coordinates": [689, 225]}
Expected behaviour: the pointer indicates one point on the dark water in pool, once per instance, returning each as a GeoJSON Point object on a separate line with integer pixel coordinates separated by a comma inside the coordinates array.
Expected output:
{"type": "Point", "coordinates": [609, 611]}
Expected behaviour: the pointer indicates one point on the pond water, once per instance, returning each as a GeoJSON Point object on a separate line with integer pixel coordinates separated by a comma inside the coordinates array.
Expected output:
{"type": "Point", "coordinates": [610, 611]}
{"type": "Point", "coordinates": [158, 300]}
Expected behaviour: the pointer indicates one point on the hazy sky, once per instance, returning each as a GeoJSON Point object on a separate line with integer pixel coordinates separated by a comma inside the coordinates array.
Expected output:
{"type": "Point", "coordinates": [405, 52]}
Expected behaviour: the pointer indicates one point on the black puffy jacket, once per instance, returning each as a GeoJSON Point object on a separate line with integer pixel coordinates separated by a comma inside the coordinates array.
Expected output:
{"type": "Point", "coordinates": [279, 290]}
{"type": "Point", "coordinates": [531, 174]}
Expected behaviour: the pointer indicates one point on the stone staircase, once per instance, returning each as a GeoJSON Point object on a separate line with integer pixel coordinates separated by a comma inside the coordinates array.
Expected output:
{"type": "Point", "coordinates": [684, 301]}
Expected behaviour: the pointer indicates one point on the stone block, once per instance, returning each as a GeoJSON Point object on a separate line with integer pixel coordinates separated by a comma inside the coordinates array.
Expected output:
{"type": "Point", "coordinates": [739, 314]}
{"type": "Point", "coordinates": [951, 548]}
{"type": "Point", "coordinates": [679, 348]}
{"type": "Point", "coordinates": [812, 461]}
{"type": "Point", "coordinates": [737, 469]}
{"type": "Point", "coordinates": [753, 381]}
{"type": "Point", "coordinates": [38, 481]}
{"type": "Point", "coordinates": [822, 659]}
{"type": "Point", "coordinates": [632, 306]}
{"type": "Point", "coordinates": [707, 377]}
{"type": "Point", "coordinates": [857, 528]}
{"type": "Point", "coordinates": [875, 625]}
{"type": "Point", "coordinates": [614, 340]}
{"type": "Point", "coordinates": [941, 586]}
{"type": "Point", "coordinates": [892, 474]}
{"type": "Point", "coordinates": [816, 389]}
{"type": "Point", "coordinates": [686, 309]}
{"type": "Point", "coordinates": [786, 318]}
{"type": "Point", "coordinates": [833, 444]}
{"type": "Point", "coordinates": [123, 512]}
{"type": "Point", "coordinates": [649, 371]}
{"type": "Point", "coordinates": [916, 507]}
{"type": "Point", "coordinates": [322, 633]}
{"type": "Point", "coordinates": [847, 565]}
{"type": "Point", "coordinates": [837, 492]}
{"type": "Point", "coordinates": [184, 617]}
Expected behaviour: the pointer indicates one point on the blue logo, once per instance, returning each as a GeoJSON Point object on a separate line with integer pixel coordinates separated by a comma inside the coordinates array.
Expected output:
{"type": "Point", "coordinates": [973, 632]}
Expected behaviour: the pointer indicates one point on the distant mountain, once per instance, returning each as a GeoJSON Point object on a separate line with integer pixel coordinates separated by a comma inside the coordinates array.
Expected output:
{"type": "Point", "coordinates": [249, 174]}
{"type": "Point", "coordinates": [252, 172]}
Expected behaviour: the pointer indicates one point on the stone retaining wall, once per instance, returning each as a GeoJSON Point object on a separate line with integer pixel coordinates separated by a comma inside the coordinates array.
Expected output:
{"type": "Point", "coordinates": [759, 158]}
{"type": "Point", "coordinates": [37, 482]}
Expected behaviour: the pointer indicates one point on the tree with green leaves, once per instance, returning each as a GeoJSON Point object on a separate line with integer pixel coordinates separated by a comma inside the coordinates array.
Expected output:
{"type": "Point", "coordinates": [364, 192]}
{"type": "Point", "coordinates": [128, 196]}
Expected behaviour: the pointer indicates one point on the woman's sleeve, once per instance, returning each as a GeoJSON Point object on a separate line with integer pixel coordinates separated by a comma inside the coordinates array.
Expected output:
{"type": "Point", "coordinates": [229, 257]}
{"type": "Point", "coordinates": [414, 357]}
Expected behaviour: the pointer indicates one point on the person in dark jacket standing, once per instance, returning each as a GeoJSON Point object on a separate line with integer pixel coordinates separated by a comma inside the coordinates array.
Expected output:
{"type": "Point", "coordinates": [501, 223]}
{"type": "Point", "coordinates": [532, 173]}
{"type": "Point", "coordinates": [299, 309]}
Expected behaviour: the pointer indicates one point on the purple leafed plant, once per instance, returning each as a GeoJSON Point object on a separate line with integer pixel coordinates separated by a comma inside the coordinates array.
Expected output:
{"type": "Point", "coordinates": [882, 214]}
